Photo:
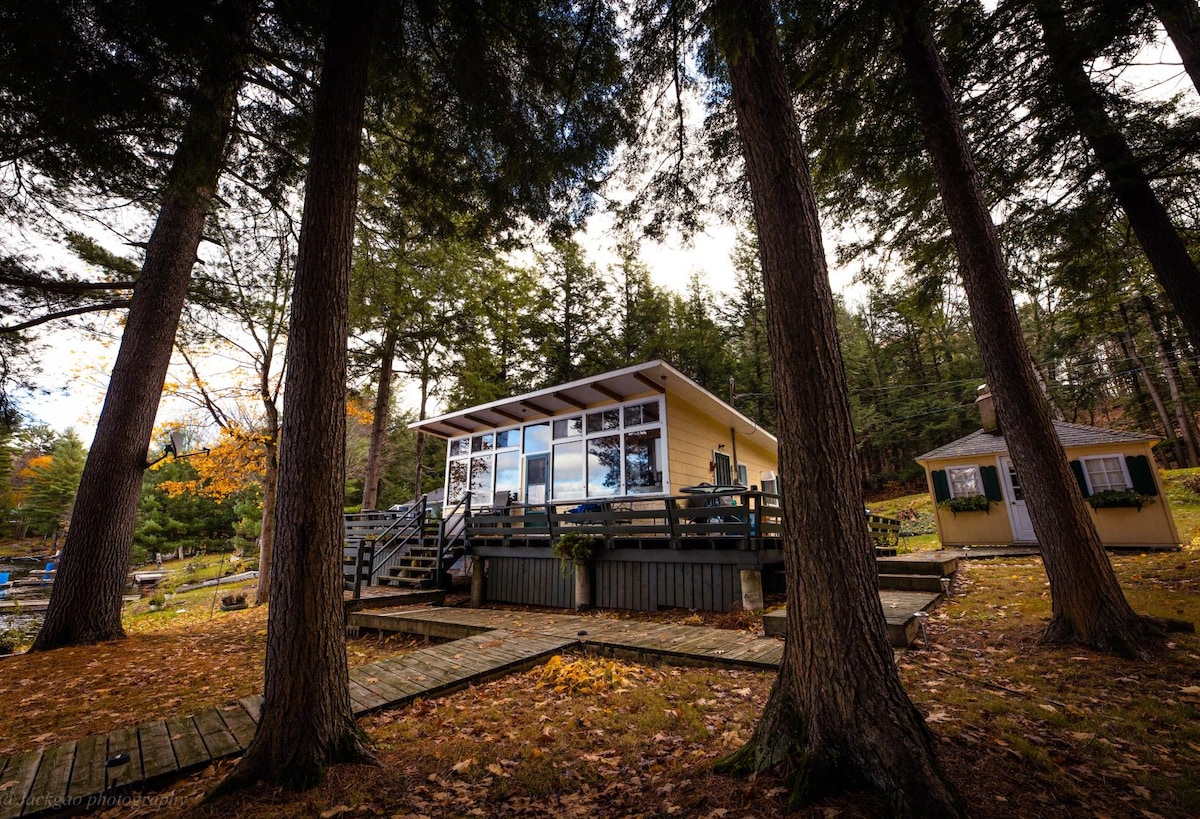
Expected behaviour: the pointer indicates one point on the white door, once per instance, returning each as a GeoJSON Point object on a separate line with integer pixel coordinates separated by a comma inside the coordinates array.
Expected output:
{"type": "Point", "coordinates": [1018, 514]}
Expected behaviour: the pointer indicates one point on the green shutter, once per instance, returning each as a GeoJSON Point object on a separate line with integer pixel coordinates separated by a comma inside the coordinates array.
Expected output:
{"type": "Point", "coordinates": [1077, 468]}
{"type": "Point", "coordinates": [991, 483]}
{"type": "Point", "coordinates": [1142, 474]}
{"type": "Point", "coordinates": [941, 486]}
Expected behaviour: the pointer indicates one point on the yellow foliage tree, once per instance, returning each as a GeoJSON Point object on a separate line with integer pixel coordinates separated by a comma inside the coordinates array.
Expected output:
{"type": "Point", "coordinates": [236, 463]}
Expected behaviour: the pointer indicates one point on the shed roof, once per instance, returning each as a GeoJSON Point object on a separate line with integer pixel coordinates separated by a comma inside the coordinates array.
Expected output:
{"type": "Point", "coordinates": [1071, 435]}
{"type": "Point", "coordinates": [649, 378]}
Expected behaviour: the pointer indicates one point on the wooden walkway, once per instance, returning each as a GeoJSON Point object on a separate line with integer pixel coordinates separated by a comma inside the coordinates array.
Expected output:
{"type": "Point", "coordinates": [86, 774]}
{"type": "Point", "coordinates": [690, 644]}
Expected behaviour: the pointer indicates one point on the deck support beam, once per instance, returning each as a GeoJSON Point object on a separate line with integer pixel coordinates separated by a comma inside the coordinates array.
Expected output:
{"type": "Point", "coordinates": [752, 589]}
{"type": "Point", "coordinates": [478, 582]}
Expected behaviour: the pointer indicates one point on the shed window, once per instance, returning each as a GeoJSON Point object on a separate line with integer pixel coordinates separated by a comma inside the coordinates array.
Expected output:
{"type": "Point", "coordinates": [568, 427]}
{"type": "Point", "coordinates": [1105, 472]}
{"type": "Point", "coordinates": [964, 481]}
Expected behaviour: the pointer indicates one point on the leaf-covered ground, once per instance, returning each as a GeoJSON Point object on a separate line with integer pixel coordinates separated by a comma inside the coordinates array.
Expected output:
{"type": "Point", "coordinates": [1022, 729]}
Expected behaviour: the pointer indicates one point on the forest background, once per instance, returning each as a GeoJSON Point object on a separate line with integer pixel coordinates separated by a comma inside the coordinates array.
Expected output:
{"type": "Point", "coordinates": [446, 316]}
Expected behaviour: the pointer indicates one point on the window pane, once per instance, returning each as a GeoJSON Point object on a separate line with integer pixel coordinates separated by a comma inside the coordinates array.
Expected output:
{"type": "Point", "coordinates": [510, 437]}
{"type": "Point", "coordinates": [568, 470]}
{"type": "Point", "coordinates": [964, 481]}
{"type": "Point", "coordinates": [462, 446]}
{"type": "Point", "coordinates": [537, 438]}
{"type": "Point", "coordinates": [1105, 473]}
{"type": "Point", "coordinates": [456, 483]}
{"type": "Point", "coordinates": [481, 480]}
{"type": "Point", "coordinates": [643, 461]}
{"type": "Point", "coordinates": [508, 470]}
{"type": "Point", "coordinates": [650, 412]}
{"type": "Point", "coordinates": [568, 427]}
{"type": "Point", "coordinates": [603, 421]}
{"type": "Point", "coordinates": [633, 416]}
{"type": "Point", "coordinates": [481, 443]}
{"type": "Point", "coordinates": [743, 475]}
{"type": "Point", "coordinates": [604, 465]}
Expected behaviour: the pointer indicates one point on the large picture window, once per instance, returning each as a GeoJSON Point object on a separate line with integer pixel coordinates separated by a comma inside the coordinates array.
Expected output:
{"type": "Point", "coordinates": [606, 452]}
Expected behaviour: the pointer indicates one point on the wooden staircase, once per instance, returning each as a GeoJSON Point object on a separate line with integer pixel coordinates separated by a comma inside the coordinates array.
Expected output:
{"type": "Point", "coordinates": [406, 549]}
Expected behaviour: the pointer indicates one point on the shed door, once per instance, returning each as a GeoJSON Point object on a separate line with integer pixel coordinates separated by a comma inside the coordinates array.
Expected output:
{"type": "Point", "coordinates": [1014, 495]}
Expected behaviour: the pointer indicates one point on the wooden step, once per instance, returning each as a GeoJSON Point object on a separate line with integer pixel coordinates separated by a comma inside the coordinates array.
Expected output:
{"type": "Point", "coordinates": [937, 565]}
{"type": "Point", "coordinates": [911, 582]}
{"type": "Point", "coordinates": [899, 608]}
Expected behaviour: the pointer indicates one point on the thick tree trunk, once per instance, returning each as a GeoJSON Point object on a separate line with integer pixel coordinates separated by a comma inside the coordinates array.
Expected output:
{"type": "Point", "coordinates": [422, 441]}
{"type": "Point", "coordinates": [307, 720]}
{"type": "Point", "coordinates": [1151, 223]}
{"type": "Point", "coordinates": [85, 605]}
{"type": "Point", "coordinates": [1087, 603]}
{"type": "Point", "coordinates": [379, 422]}
{"type": "Point", "coordinates": [1181, 19]}
{"type": "Point", "coordinates": [837, 716]}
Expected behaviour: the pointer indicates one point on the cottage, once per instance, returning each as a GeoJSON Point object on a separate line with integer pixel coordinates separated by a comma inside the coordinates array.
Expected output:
{"type": "Point", "coordinates": [613, 456]}
{"type": "Point", "coordinates": [979, 500]}
{"type": "Point", "coordinates": [646, 430]}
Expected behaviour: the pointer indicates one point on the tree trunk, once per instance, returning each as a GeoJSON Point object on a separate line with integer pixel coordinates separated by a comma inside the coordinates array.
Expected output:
{"type": "Point", "coordinates": [266, 548]}
{"type": "Point", "coordinates": [422, 441]}
{"type": "Point", "coordinates": [1151, 223]}
{"type": "Point", "coordinates": [1187, 426]}
{"type": "Point", "coordinates": [837, 716]}
{"type": "Point", "coordinates": [1129, 345]}
{"type": "Point", "coordinates": [1181, 19]}
{"type": "Point", "coordinates": [85, 605]}
{"type": "Point", "coordinates": [1087, 603]}
{"type": "Point", "coordinates": [379, 422]}
{"type": "Point", "coordinates": [307, 719]}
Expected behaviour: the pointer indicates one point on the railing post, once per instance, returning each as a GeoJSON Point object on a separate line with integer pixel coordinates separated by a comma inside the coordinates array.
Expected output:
{"type": "Point", "coordinates": [550, 522]}
{"type": "Point", "coordinates": [672, 522]}
{"type": "Point", "coordinates": [747, 544]}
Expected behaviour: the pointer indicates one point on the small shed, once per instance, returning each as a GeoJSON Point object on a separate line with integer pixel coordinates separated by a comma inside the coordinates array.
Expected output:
{"type": "Point", "coordinates": [979, 500]}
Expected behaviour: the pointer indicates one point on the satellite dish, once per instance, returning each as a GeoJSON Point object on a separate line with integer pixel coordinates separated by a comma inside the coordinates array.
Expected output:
{"type": "Point", "coordinates": [177, 442]}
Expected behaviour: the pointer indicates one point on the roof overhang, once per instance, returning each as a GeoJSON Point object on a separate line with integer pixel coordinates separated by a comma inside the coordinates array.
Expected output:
{"type": "Point", "coordinates": [639, 381]}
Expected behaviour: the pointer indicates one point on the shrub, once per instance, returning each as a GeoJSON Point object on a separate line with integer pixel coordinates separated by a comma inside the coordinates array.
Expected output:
{"type": "Point", "coordinates": [969, 503]}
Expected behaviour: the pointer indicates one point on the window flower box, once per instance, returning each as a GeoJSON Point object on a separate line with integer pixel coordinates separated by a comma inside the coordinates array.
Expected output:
{"type": "Point", "coordinates": [967, 503]}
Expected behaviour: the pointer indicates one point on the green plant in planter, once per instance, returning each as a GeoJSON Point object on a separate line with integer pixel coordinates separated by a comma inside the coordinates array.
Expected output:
{"type": "Point", "coordinates": [968, 503]}
{"type": "Point", "coordinates": [574, 547]}
{"type": "Point", "coordinates": [158, 601]}
{"type": "Point", "coordinates": [1119, 498]}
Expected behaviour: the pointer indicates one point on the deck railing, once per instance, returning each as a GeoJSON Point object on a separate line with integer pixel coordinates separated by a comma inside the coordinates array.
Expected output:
{"type": "Point", "coordinates": [754, 516]}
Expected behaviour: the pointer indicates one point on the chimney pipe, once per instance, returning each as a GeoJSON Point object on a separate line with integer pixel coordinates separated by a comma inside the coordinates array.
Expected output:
{"type": "Point", "coordinates": [987, 410]}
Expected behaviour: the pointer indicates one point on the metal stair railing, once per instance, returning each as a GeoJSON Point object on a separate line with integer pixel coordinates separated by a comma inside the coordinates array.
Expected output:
{"type": "Point", "coordinates": [399, 535]}
{"type": "Point", "coordinates": [451, 529]}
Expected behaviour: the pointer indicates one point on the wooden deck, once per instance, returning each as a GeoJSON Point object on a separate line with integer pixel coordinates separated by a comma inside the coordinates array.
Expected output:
{"type": "Point", "coordinates": [92, 772]}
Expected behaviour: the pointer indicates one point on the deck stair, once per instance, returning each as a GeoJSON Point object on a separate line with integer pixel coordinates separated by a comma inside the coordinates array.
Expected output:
{"type": "Point", "coordinates": [908, 585]}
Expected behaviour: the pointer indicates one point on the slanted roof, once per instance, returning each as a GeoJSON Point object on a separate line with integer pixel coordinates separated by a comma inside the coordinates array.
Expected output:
{"type": "Point", "coordinates": [1071, 435]}
{"type": "Point", "coordinates": [641, 380]}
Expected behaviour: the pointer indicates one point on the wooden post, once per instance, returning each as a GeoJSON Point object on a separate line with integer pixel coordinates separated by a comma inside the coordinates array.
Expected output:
{"type": "Point", "coordinates": [583, 585]}
{"type": "Point", "coordinates": [478, 582]}
{"type": "Point", "coordinates": [752, 592]}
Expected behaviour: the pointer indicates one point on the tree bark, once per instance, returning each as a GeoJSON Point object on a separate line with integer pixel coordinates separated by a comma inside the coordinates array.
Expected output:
{"type": "Point", "coordinates": [1088, 606]}
{"type": "Point", "coordinates": [379, 422]}
{"type": "Point", "coordinates": [85, 605]}
{"type": "Point", "coordinates": [837, 716]}
{"type": "Point", "coordinates": [1181, 19]}
{"type": "Point", "coordinates": [1160, 241]}
{"type": "Point", "coordinates": [266, 547]}
{"type": "Point", "coordinates": [307, 720]}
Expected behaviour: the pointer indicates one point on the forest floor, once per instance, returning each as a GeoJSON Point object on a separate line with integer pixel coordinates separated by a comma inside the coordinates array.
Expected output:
{"type": "Point", "coordinates": [1020, 728]}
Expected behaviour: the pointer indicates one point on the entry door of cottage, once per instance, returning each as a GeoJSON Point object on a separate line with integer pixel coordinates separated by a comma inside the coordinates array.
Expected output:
{"type": "Point", "coordinates": [1018, 514]}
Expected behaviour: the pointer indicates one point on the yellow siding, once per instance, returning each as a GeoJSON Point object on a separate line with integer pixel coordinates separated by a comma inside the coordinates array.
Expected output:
{"type": "Point", "coordinates": [1153, 525]}
{"type": "Point", "coordinates": [692, 436]}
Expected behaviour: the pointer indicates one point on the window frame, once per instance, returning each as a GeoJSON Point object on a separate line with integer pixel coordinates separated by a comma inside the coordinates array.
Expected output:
{"type": "Point", "coordinates": [979, 490]}
{"type": "Point", "coordinates": [1084, 460]}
